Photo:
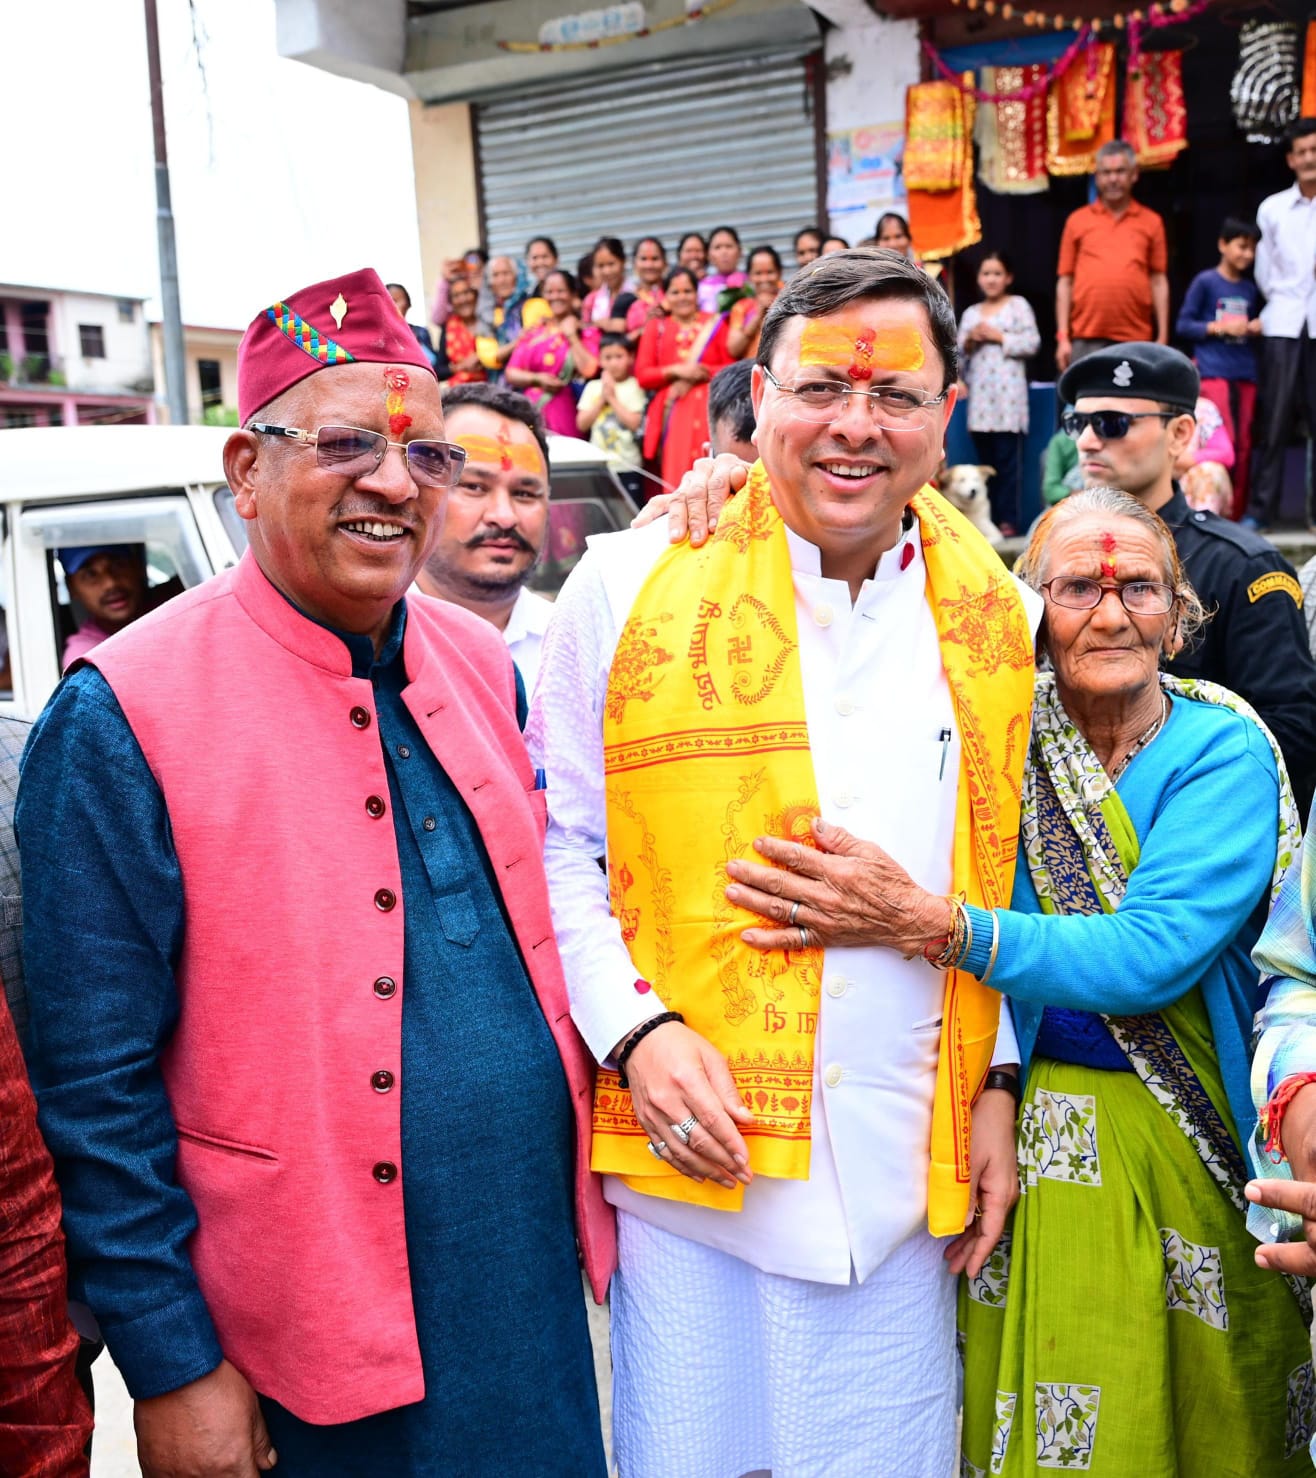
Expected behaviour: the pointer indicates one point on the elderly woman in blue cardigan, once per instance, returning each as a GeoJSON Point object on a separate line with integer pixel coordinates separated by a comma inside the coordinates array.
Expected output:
{"type": "Point", "coordinates": [1123, 1326]}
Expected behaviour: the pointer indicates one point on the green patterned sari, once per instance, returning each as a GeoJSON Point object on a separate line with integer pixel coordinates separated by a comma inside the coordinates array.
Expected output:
{"type": "Point", "coordinates": [1122, 1328]}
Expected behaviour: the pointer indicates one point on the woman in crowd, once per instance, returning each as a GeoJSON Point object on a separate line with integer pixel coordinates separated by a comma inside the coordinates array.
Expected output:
{"type": "Point", "coordinates": [692, 252]}
{"type": "Point", "coordinates": [649, 267]}
{"type": "Point", "coordinates": [723, 267]}
{"type": "Point", "coordinates": [679, 354]}
{"type": "Point", "coordinates": [1126, 1327]}
{"type": "Point", "coordinates": [745, 320]}
{"type": "Point", "coordinates": [540, 258]}
{"type": "Point", "coordinates": [834, 243]}
{"type": "Point", "coordinates": [458, 352]}
{"type": "Point", "coordinates": [808, 246]}
{"type": "Point", "coordinates": [996, 337]}
{"type": "Point", "coordinates": [892, 233]}
{"type": "Point", "coordinates": [1204, 468]}
{"type": "Point", "coordinates": [599, 309]}
{"type": "Point", "coordinates": [500, 306]}
{"type": "Point", "coordinates": [553, 354]}
{"type": "Point", "coordinates": [585, 278]}
{"type": "Point", "coordinates": [469, 267]}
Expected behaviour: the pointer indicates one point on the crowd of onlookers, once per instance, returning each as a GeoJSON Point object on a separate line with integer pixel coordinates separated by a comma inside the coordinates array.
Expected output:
{"type": "Point", "coordinates": [622, 348]}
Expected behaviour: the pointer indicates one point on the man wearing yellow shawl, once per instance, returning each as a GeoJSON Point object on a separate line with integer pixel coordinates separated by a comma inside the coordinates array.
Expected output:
{"type": "Point", "coordinates": [792, 1136]}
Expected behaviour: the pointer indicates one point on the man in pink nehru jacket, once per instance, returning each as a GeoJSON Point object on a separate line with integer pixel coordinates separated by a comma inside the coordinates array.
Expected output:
{"type": "Point", "coordinates": [301, 1043]}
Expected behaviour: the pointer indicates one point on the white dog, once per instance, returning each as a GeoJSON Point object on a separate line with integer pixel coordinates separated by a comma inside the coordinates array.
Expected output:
{"type": "Point", "coordinates": [965, 487]}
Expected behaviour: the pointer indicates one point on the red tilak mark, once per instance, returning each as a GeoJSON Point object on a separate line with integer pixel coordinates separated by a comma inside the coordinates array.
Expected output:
{"type": "Point", "coordinates": [906, 556]}
{"type": "Point", "coordinates": [1108, 542]}
{"type": "Point", "coordinates": [396, 379]}
{"type": "Point", "coordinates": [1108, 568]}
{"type": "Point", "coordinates": [862, 366]}
{"type": "Point", "coordinates": [642, 987]}
{"type": "Point", "coordinates": [505, 465]}
{"type": "Point", "coordinates": [398, 424]}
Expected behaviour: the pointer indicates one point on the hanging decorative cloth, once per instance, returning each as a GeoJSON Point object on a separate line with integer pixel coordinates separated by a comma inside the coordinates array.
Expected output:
{"type": "Point", "coordinates": [1011, 134]}
{"type": "Point", "coordinates": [1264, 91]}
{"type": "Point", "coordinates": [936, 136]}
{"type": "Point", "coordinates": [1307, 108]}
{"type": "Point", "coordinates": [943, 219]}
{"type": "Point", "coordinates": [1080, 112]}
{"type": "Point", "coordinates": [1155, 114]}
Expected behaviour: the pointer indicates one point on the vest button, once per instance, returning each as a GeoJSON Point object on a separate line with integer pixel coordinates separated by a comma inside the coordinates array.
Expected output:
{"type": "Point", "coordinates": [385, 1172]}
{"type": "Point", "coordinates": [374, 806]}
{"type": "Point", "coordinates": [381, 1081]}
{"type": "Point", "coordinates": [360, 718]}
{"type": "Point", "coordinates": [385, 987]}
{"type": "Point", "coordinates": [385, 899]}
{"type": "Point", "coordinates": [404, 751]}
{"type": "Point", "coordinates": [429, 823]}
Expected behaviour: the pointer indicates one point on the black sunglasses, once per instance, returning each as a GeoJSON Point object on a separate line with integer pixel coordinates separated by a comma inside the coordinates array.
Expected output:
{"type": "Point", "coordinates": [1111, 425]}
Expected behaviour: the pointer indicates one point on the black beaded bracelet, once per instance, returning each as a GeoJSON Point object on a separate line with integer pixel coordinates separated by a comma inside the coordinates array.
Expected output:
{"type": "Point", "coordinates": [638, 1035]}
{"type": "Point", "coordinates": [996, 1078]}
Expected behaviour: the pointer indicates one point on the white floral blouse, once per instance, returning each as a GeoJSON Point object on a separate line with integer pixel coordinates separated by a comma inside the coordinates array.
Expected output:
{"type": "Point", "coordinates": [994, 373]}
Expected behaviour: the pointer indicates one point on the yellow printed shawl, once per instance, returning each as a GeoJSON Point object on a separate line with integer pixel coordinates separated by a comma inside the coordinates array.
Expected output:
{"type": "Point", "coordinates": [706, 747]}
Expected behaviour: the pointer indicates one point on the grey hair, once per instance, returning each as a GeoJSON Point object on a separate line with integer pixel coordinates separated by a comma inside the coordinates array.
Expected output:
{"type": "Point", "coordinates": [1105, 502]}
{"type": "Point", "coordinates": [834, 282]}
{"type": "Point", "coordinates": [1118, 146]}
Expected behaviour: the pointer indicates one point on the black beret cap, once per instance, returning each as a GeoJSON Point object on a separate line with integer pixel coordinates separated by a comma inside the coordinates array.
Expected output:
{"type": "Point", "coordinates": [1134, 372]}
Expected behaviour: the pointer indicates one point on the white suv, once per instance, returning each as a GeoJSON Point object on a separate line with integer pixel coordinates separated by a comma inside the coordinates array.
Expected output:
{"type": "Point", "coordinates": [162, 486]}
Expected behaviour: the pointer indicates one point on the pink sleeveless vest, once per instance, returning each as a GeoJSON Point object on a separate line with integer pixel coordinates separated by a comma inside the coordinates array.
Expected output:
{"type": "Point", "coordinates": [284, 1072]}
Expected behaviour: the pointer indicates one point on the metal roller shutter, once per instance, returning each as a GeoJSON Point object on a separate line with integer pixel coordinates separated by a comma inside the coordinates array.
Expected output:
{"type": "Point", "coordinates": [658, 151]}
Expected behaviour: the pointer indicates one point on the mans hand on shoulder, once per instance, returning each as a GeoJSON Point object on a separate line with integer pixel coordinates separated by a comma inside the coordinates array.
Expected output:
{"type": "Point", "coordinates": [209, 1428]}
{"type": "Point", "coordinates": [693, 508]}
{"type": "Point", "coordinates": [675, 1074]}
{"type": "Point", "coordinates": [993, 1181]}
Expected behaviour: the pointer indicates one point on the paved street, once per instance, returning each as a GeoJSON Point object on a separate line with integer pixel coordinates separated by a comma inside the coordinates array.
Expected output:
{"type": "Point", "coordinates": [114, 1453]}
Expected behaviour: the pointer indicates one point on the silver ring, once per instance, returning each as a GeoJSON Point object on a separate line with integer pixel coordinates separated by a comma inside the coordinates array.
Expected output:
{"type": "Point", "coordinates": [684, 1129]}
{"type": "Point", "coordinates": [795, 908]}
{"type": "Point", "coordinates": [804, 936]}
{"type": "Point", "coordinates": [656, 1150]}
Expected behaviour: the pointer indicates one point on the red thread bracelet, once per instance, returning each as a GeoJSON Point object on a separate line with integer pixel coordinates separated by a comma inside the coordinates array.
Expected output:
{"type": "Point", "coordinates": [1272, 1115]}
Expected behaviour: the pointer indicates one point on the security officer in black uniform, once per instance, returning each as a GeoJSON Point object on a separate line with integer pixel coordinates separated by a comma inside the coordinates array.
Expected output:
{"type": "Point", "coordinates": [1131, 409]}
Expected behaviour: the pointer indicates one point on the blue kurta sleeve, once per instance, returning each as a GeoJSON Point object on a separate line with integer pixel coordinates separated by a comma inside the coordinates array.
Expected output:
{"type": "Point", "coordinates": [1206, 860]}
{"type": "Point", "coordinates": [103, 931]}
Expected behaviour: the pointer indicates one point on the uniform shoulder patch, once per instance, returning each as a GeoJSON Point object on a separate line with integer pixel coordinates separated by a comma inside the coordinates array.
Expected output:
{"type": "Point", "coordinates": [1276, 580]}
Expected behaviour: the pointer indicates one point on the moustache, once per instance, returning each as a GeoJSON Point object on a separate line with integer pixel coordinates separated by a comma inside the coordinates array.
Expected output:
{"type": "Point", "coordinates": [501, 536]}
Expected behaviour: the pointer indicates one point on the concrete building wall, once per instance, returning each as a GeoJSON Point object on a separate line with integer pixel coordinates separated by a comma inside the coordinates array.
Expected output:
{"type": "Point", "coordinates": [218, 344]}
{"type": "Point", "coordinates": [127, 361]}
{"type": "Point", "coordinates": [447, 209]}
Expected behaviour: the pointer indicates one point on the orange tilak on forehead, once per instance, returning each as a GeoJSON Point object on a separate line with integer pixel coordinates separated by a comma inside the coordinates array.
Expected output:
{"type": "Point", "coordinates": [503, 453]}
{"type": "Point", "coordinates": [1109, 564]}
{"type": "Point", "coordinates": [860, 347]}
{"type": "Point", "coordinates": [396, 383]}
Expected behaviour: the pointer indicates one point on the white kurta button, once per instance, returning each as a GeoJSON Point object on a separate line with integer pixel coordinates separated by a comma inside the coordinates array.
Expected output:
{"type": "Point", "coordinates": [837, 985]}
{"type": "Point", "coordinates": [845, 707]}
{"type": "Point", "coordinates": [833, 1075]}
{"type": "Point", "coordinates": [823, 614]}
{"type": "Point", "coordinates": [843, 798]}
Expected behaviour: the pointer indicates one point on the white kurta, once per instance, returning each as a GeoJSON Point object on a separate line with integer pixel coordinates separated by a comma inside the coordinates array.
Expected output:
{"type": "Point", "coordinates": [524, 634]}
{"type": "Point", "coordinates": [886, 754]}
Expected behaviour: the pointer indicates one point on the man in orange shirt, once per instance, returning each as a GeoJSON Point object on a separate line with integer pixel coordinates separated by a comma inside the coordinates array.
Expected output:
{"type": "Point", "coordinates": [1111, 281]}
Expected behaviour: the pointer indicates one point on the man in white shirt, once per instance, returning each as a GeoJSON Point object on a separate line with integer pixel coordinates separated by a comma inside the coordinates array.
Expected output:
{"type": "Point", "coordinates": [777, 1145]}
{"type": "Point", "coordinates": [496, 520]}
{"type": "Point", "coordinates": [1286, 352]}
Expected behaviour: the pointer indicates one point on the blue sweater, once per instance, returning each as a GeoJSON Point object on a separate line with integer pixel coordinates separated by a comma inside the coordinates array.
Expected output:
{"type": "Point", "coordinates": [1203, 799]}
{"type": "Point", "coordinates": [1210, 296]}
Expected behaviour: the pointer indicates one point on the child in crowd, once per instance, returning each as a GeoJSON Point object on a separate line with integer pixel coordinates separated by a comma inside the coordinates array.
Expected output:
{"type": "Point", "coordinates": [996, 337]}
{"type": "Point", "coordinates": [611, 411]}
{"type": "Point", "coordinates": [1219, 318]}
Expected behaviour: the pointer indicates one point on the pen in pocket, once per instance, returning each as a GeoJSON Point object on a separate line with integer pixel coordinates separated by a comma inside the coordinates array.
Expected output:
{"type": "Point", "coordinates": [944, 736]}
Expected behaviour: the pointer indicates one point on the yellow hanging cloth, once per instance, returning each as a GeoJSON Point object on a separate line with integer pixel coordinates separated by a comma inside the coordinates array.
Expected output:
{"type": "Point", "coordinates": [706, 746]}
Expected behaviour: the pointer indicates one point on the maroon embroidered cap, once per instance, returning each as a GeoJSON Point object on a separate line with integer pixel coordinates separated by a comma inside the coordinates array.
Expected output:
{"type": "Point", "coordinates": [346, 320]}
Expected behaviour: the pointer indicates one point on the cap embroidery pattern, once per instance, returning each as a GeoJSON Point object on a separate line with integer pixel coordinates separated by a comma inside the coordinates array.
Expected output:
{"type": "Point", "coordinates": [1123, 374]}
{"type": "Point", "coordinates": [307, 337]}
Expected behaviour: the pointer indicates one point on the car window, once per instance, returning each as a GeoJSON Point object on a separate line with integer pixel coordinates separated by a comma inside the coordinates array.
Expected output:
{"type": "Point", "coordinates": [157, 534]}
{"type": "Point", "coordinates": [235, 526]}
{"type": "Point", "coordinates": [585, 501]}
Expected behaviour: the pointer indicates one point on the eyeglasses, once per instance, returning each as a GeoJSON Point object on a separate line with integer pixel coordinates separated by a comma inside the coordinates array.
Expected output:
{"type": "Point", "coordinates": [349, 451]}
{"type": "Point", "coordinates": [1110, 425]}
{"type": "Point", "coordinates": [1138, 597]}
{"type": "Point", "coordinates": [892, 407]}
